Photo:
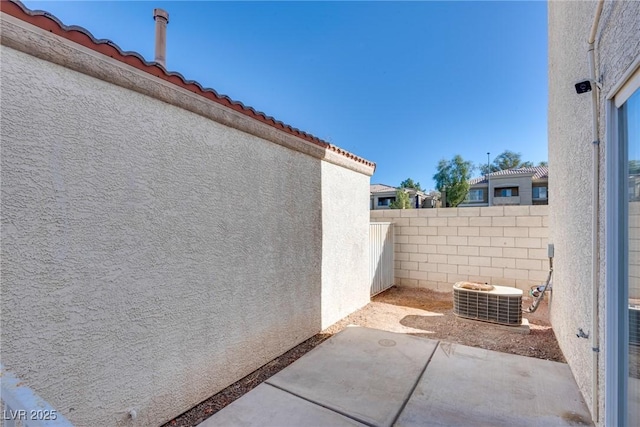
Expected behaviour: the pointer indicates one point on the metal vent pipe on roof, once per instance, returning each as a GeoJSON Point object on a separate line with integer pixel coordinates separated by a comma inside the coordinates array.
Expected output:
{"type": "Point", "coordinates": [162, 19]}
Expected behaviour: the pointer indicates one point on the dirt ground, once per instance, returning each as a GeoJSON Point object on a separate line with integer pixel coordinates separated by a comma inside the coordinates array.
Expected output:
{"type": "Point", "coordinates": [417, 312]}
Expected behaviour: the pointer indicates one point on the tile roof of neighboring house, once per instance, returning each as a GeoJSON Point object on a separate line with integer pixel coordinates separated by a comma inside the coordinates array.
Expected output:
{"type": "Point", "coordinates": [539, 172]}
{"type": "Point", "coordinates": [82, 36]}
{"type": "Point", "coordinates": [383, 188]}
{"type": "Point", "coordinates": [377, 188]}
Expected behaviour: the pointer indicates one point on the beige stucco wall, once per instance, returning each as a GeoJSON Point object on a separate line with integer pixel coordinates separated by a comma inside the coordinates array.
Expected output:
{"type": "Point", "coordinates": [435, 248]}
{"type": "Point", "coordinates": [570, 183]}
{"type": "Point", "coordinates": [570, 151]}
{"type": "Point", "coordinates": [345, 242]}
{"type": "Point", "coordinates": [152, 256]}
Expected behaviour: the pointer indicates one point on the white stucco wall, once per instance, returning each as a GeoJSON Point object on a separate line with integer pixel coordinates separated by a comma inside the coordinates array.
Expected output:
{"type": "Point", "coordinates": [570, 151]}
{"type": "Point", "coordinates": [570, 209]}
{"type": "Point", "coordinates": [152, 256]}
{"type": "Point", "coordinates": [345, 242]}
{"type": "Point", "coordinates": [148, 254]}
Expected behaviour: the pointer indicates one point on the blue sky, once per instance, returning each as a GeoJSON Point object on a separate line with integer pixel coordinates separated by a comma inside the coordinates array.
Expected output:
{"type": "Point", "coordinates": [403, 84]}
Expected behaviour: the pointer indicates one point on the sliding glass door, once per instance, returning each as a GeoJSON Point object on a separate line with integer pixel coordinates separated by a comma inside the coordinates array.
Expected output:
{"type": "Point", "coordinates": [622, 322]}
{"type": "Point", "coordinates": [629, 132]}
{"type": "Point", "coordinates": [622, 351]}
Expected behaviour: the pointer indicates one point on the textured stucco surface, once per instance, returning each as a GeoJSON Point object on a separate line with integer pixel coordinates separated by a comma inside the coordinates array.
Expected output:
{"type": "Point", "coordinates": [570, 208]}
{"type": "Point", "coordinates": [501, 245]}
{"type": "Point", "coordinates": [570, 160]}
{"type": "Point", "coordinates": [76, 50]}
{"type": "Point", "coordinates": [150, 256]}
{"type": "Point", "coordinates": [345, 242]}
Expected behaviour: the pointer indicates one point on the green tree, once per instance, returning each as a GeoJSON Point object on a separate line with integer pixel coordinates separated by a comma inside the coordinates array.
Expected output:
{"type": "Point", "coordinates": [543, 163]}
{"type": "Point", "coordinates": [507, 160]}
{"type": "Point", "coordinates": [402, 200]}
{"type": "Point", "coordinates": [408, 183]}
{"type": "Point", "coordinates": [453, 178]}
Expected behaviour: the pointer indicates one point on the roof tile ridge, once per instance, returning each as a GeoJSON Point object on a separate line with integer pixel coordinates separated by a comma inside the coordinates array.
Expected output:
{"type": "Point", "coordinates": [80, 30]}
{"type": "Point", "coordinates": [186, 84]}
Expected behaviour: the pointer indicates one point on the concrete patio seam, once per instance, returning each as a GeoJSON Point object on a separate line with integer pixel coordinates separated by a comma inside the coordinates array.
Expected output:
{"type": "Point", "coordinates": [415, 384]}
{"type": "Point", "coordinates": [344, 414]}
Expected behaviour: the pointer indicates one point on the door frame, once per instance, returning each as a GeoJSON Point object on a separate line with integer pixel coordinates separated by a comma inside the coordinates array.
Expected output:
{"type": "Point", "coordinates": [617, 253]}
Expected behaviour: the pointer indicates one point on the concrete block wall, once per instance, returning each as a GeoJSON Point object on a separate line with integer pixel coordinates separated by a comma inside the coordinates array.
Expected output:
{"type": "Point", "coordinates": [501, 245]}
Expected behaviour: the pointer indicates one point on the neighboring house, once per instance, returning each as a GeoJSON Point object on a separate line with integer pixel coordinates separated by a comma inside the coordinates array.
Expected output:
{"type": "Point", "coordinates": [159, 241]}
{"type": "Point", "coordinates": [634, 187]}
{"type": "Point", "coordinates": [381, 196]}
{"type": "Point", "coordinates": [594, 217]}
{"type": "Point", "coordinates": [522, 186]}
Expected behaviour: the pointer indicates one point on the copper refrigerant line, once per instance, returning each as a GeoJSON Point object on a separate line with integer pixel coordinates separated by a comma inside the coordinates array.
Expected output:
{"type": "Point", "coordinates": [533, 307]}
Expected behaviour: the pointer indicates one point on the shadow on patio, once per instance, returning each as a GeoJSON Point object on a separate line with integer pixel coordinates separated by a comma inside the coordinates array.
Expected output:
{"type": "Point", "coordinates": [368, 377]}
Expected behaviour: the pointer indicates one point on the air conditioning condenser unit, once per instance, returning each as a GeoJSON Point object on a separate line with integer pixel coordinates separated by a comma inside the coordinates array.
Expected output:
{"type": "Point", "coordinates": [496, 304]}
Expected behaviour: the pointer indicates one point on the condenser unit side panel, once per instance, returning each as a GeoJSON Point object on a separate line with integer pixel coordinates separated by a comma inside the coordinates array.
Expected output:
{"type": "Point", "coordinates": [488, 307]}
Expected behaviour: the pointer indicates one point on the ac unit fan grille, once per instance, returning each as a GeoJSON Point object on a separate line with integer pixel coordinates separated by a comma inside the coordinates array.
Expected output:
{"type": "Point", "coordinates": [488, 306]}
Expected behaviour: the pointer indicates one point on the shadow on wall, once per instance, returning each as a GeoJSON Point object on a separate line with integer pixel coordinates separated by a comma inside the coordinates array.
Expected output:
{"type": "Point", "coordinates": [153, 258]}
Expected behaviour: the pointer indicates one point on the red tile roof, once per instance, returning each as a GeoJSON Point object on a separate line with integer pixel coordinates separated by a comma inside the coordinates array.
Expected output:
{"type": "Point", "coordinates": [539, 172]}
{"type": "Point", "coordinates": [82, 36]}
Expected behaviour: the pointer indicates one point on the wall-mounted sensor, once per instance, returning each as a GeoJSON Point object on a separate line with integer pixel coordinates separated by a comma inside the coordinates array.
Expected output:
{"type": "Point", "coordinates": [583, 87]}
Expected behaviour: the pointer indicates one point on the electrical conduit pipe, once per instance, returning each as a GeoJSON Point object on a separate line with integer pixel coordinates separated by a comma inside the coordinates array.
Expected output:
{"type": "Point", "coordinates": [595, 268]}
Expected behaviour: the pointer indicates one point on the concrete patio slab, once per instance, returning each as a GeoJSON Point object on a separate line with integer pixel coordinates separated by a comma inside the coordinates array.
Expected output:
{"type": "Point", "coordinates": [466, 386]}
{"type": "Point", "coordinates": [365, 374]}
{"type": "Point", "coordinates": [267, 406]}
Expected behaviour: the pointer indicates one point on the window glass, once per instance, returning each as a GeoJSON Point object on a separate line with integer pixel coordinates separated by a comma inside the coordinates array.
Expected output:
{"type": "Point", "coordinates": [506, 192]}
{"type": "Point", "coordinates": [476, 195]}
{"type": "Point", "coordinates": [629, 128]}
{"type": "Point", "coordinates": [539, 192]}
{"type": "Point", "coordinates": [385, 201]}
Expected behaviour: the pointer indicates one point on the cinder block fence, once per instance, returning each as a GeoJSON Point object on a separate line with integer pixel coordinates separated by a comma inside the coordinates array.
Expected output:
{"type": "Point", "coordinates": [434, 248]}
